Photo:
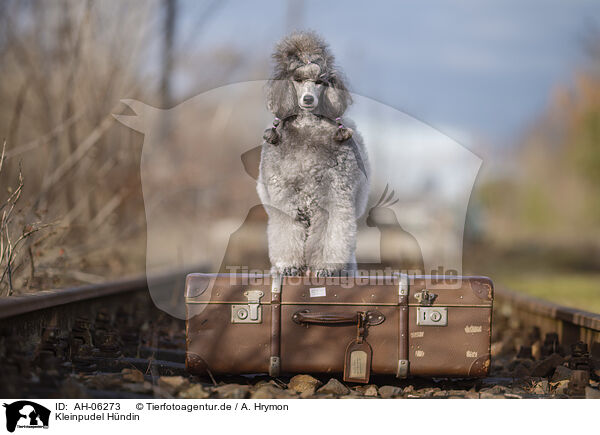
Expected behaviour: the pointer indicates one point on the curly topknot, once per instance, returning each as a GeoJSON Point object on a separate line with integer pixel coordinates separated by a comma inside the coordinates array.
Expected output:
{"type": "Point", "coordinates": [298, 49]}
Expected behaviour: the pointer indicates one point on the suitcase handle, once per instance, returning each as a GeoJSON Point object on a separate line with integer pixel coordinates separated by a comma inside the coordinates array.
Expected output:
{"type": "Point", "coordinates": [305, 316]}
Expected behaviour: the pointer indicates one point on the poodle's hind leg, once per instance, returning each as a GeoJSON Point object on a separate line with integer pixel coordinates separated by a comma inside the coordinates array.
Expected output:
{"type": "Point", "coordinates": [286, 238]}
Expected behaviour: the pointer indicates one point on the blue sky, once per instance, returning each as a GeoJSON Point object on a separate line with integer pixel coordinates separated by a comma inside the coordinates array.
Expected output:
{"type": "Point", "coordinates": [483, 68]}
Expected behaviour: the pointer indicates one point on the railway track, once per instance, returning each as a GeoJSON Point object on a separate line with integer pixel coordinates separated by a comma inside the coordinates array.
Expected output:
{"type": "Point", "coordinates": [110, 341]}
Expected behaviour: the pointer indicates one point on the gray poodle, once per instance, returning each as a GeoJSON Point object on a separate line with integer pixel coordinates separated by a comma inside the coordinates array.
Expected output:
{"type": "Point", "coordinates": [313, 178]}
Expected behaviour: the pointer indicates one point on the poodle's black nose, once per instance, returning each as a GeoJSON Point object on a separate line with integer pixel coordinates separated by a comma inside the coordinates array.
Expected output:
{"type": "Point", "coordinates": [308, 99]}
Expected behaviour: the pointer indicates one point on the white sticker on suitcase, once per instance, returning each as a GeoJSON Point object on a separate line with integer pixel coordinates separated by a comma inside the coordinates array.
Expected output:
{"type": "Point", "coordinates": [317, 292]}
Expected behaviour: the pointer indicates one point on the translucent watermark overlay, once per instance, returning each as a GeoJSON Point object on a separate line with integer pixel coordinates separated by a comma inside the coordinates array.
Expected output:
{"type": "Point", "coordinates": [199, 170]}
{"type": "Point", "coordinates": [241, 275]}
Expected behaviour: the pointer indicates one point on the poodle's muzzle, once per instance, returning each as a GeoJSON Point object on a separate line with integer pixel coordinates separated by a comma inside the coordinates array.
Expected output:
{"type": "Point", "coordinates": [308, 94]}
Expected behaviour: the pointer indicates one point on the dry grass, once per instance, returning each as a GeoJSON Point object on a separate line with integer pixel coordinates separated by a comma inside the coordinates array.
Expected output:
{"type": "Point", "coordinates": [65, 66]}
{"type": "Point", "coordinates": [14, 233]}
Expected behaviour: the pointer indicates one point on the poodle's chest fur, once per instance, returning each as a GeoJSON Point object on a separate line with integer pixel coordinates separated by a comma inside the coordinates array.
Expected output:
{"type": "Point", "coordinates": [307, 166]}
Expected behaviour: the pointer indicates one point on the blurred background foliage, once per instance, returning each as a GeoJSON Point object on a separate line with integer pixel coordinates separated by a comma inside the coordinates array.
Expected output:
{"type": "Point", "coordinates": [543, 217]}
{"type": "Point", "coordinates": [534, 216]}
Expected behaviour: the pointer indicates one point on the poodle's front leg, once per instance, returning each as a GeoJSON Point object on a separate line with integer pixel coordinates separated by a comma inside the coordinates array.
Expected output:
{"type": "Point", "coordinates": [333, 241]}
{"type": "Point", "coordinates": [286, 243]}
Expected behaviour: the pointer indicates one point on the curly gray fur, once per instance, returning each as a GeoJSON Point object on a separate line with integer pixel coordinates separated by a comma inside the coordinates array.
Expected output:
{"type": "Point", "coordinates": [314, 183]}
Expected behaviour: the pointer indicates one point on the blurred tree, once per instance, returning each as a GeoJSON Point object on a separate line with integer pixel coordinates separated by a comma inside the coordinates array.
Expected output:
{"type": "Point", "coordinates": [170, 18]}
{"type": "Point", "coordinates": [552, 196]}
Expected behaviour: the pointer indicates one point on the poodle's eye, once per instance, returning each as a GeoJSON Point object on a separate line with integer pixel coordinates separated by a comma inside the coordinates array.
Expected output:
{"type": "Point", "coordinates": [298, 80]}
{"type": "Point", "coordinates": [320, 82]}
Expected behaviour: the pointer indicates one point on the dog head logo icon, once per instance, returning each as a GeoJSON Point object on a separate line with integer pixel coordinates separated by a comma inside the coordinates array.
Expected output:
{"type": "Point", "coordinates": [26, 414]}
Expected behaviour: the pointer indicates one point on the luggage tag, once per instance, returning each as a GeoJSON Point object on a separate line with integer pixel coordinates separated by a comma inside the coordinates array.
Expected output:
{"type": "Point", "coordinates": [357, 362]}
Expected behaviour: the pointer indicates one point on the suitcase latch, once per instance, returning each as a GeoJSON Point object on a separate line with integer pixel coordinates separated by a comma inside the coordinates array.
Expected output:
{"type": "Point", "coordinates": [250, 313]}
{"type": "Point", "coordinates": [425, 298]}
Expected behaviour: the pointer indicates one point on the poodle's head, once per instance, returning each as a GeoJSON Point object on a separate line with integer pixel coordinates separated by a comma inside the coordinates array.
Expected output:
{"type": "Point", "coordinates": [305, 79]}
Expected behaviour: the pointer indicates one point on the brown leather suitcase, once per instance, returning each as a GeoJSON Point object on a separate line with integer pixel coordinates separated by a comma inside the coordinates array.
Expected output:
{"type": "Point", "coordinates": [394, 325]}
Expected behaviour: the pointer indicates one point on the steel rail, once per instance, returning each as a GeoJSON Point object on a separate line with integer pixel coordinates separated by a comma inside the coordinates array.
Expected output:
{"type": "Point", "coordinates": [571, 324]}
{"type": "Point", "coordinates": [27, 303]}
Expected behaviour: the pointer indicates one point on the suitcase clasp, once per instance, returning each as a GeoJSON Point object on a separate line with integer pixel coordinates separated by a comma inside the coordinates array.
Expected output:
{"type": "Point", "coordinates": [251, 313]}
{"type": "Point", "coordinates": [425, 298]}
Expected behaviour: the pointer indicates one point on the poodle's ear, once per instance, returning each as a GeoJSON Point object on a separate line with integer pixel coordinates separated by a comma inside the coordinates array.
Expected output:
{"type": "Point", "coordinates": [336, 98]}
{"type": "Point", "coordinates": [281, 98]}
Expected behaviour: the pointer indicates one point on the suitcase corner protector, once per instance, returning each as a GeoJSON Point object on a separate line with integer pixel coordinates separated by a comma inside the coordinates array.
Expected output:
{"type": "Point", "coordinates": [403, 369]}
{"type": "Point", "coordinates": [274, 366]}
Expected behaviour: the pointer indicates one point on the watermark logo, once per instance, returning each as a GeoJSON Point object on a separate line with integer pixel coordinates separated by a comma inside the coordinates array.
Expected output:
{"type": "Point", "coordinates": [25, 414]}
{"type": "Point", "coordinates": [200, 173]}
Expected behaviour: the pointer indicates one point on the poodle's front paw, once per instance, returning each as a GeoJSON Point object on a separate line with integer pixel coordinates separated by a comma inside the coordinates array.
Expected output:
{"type": "Point", "coordinates": [324, 273]}
{"type": "Point", "coordinates": [293, 270]}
